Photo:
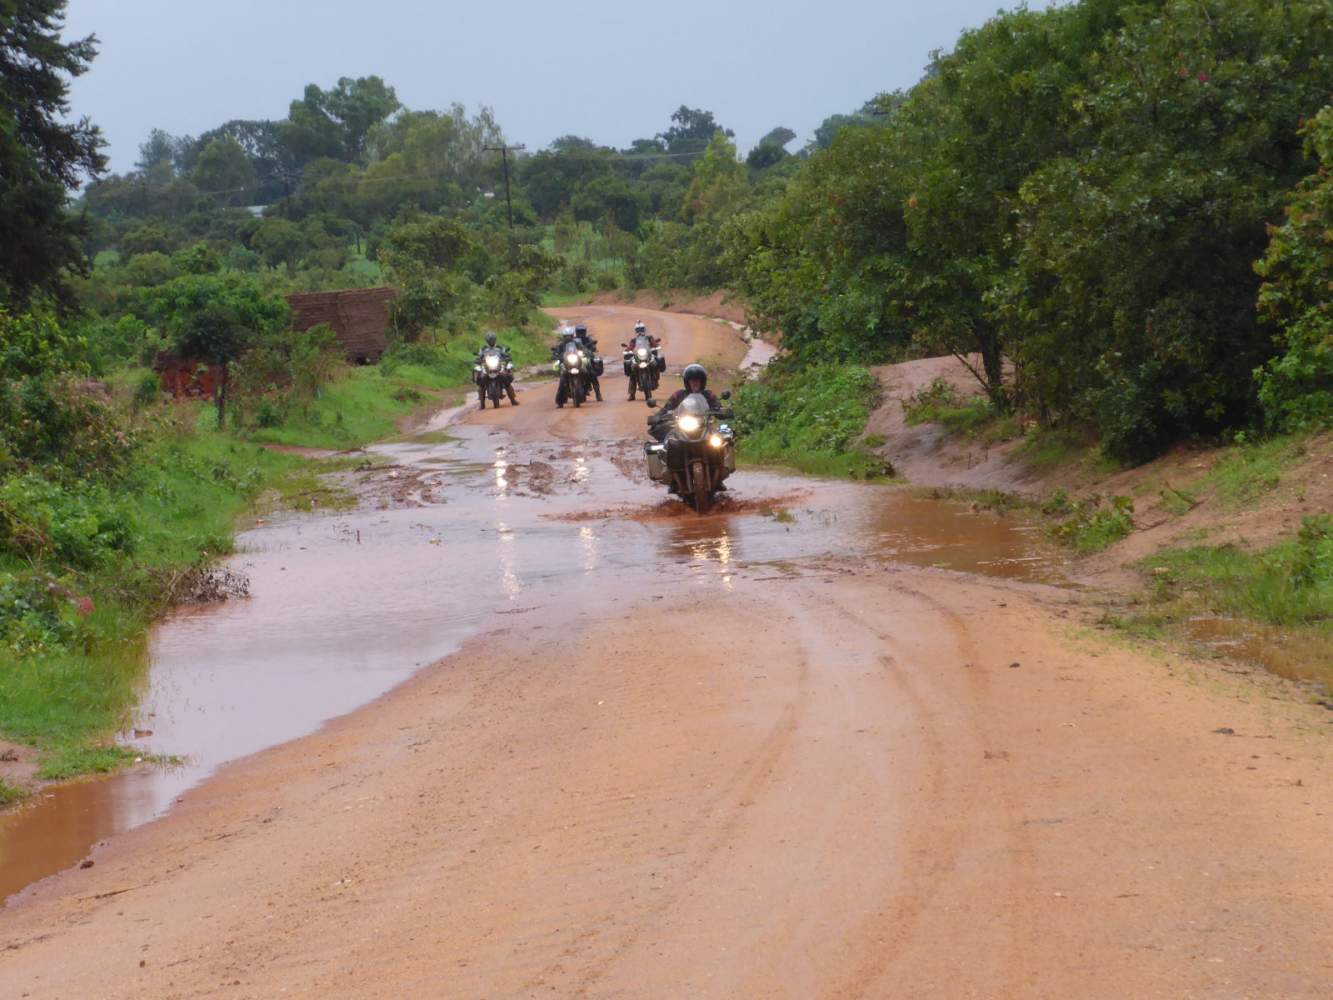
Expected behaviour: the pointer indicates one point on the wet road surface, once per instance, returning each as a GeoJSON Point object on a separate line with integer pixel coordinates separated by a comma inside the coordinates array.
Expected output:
{"type": "Point", "coordinates": [346, 606]}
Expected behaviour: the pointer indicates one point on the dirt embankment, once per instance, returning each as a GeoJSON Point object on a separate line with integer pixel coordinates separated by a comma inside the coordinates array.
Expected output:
{"type": "Point", "coordinates": [1177, 496]}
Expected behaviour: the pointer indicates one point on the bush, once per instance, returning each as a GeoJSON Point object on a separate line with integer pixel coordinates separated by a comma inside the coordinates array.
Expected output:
{"type": "Point", "coordinates": [35, 613]}
{"type": "Point", "coordinates": [148, 390]}
{"type": "Point", "coordinates": [59, 424]}
{"type": "Point", "coordinates": [808, 417]}
{"type": "Point", "coordinates": [78, 525]}
{"type": "Point", "coordinates": [1088, 525]}
{"type": "Point", "coordinates": [1296, 388]}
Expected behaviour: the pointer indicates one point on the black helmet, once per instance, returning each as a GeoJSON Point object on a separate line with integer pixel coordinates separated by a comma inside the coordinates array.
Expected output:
{"type": "Point", "coordinates": [490, 338]}
{"type": "Point", "coordinates": [695, 371]}
{"type": "Point", "coordinates": [580, 330]}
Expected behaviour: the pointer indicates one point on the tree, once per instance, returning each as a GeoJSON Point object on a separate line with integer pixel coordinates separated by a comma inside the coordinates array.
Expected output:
{"type": "Point", "coordinates": [779, 137]}
{"type": "Point", "coordinates": [160, 149]}
{"type": "Point", "coordinates": [425, 259]}
{"type": "Point", "coordinates": [692, 132]}
{"type": "Point", "coordinates": [42, 155]}
{"type": "Point", "coordinates": [1296, 387]}
{"type": "Point", "coordinates": [216, 319]}
{"type": "Point", "coordinates": [278, 241]}
{"type": "Point", "coordinates": [337, 122]}
{"type": "Point", "coordinates": [224, 170]}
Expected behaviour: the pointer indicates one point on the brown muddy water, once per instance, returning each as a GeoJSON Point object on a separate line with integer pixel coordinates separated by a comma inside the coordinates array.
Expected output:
{"type": "Point", "coordinates": [345, 606]}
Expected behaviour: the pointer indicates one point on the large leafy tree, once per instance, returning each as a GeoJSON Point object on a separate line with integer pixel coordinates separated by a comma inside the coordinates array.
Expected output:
{"type": "Point", "coordinates": [692, 131]}
{"type": "Point", "coordinates": [337, 122]}
{"type": "Point", "coordinates": [42, 155]}
{"type": "Point", "coordinates": [217, 318]}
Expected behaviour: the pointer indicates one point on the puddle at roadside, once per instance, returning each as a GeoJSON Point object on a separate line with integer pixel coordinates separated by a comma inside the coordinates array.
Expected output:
{"type": "Point", "coordinates": [1292, 655]}
{"type": "Point", "coordinates": [346, 606]}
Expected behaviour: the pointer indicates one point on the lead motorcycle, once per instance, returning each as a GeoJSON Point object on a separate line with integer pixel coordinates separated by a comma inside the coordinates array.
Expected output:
{"type": "Point", "coordinates": [697, 452]}
{"type": "Point", "coordinates": [574, 368]}
{"type": "Point", "coordinates": [493, 373]}
{"type": "Point", "coordinates": [644, 365]}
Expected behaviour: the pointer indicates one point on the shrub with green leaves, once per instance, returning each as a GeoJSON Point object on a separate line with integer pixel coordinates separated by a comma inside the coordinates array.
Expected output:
{"type": "Point", "coordinates": [36, 613]}
{"type": "Point", "coordinates": [808, 417]}
{"type": "Point", "coordinates": [77, 525]}
{"type": "Point", "coordinates": [1090, 525]}
{"type": "Point", "coordinates": [1296, 299]}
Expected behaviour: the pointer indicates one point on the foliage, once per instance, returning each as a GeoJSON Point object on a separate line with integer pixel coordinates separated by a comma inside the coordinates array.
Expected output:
{"type": "Point", "coordinates": [1289, 584]}
{"type": "Point", "coordinates": [217, 318]}
{"type": "Point", "coordinates": [1089, 524]}
{"type": "Point", "coordinates": [809, 419]}
{"type": "Point", "coordinates": [1296, 387]}
{"type": "Point", "coordinates": [1081, 189]}
{"type": "Point", "coordinates": [43, 154]}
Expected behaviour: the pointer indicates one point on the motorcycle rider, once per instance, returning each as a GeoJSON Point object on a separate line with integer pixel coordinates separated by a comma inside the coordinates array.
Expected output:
{"type": "Point", "coordinates": [695, 377]}
{"type": "Point", "coordinates": [509, 378]}
{"type": "Point", "coordinates": [641, 330]}
{"type": "Point", "coordinates": [589, 345]}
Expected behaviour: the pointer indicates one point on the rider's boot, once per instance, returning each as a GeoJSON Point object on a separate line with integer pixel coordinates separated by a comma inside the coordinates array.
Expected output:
{"type": "Point", "coordinates": [513, 400]}
{"type": "Point", "coordinates": [597, 388]}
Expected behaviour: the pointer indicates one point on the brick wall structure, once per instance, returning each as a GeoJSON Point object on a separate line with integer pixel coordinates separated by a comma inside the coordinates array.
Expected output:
{"type": "Point", "coordinates": [360, 317]}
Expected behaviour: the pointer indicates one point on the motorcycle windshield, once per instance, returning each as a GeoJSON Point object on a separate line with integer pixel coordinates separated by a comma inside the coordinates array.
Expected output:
{"type": "Point", "coordinates": [692, 416]}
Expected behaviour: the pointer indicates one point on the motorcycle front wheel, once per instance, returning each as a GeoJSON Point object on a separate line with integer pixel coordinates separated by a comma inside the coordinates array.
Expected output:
{"type": "Point", "coordinates": [699, 486]}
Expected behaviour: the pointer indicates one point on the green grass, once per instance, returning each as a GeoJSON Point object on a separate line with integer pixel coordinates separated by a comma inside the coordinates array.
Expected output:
{"type": "Point", "coordinates": [809, 420]}
{"type": "Point", "coordinates": [189, 486]}
{"type": "Point", "coordinates": [1088, 525]}
{"type": "Point", "coordinates": [370, 402]}
{"type": "Point", "coordinates": [1278, 600]}
{"type": "Point", "coordinates": [73, 760]}
{"type": "Point", "coordinates": [554, 300]}
{"type": "Point", "coordinates": [975, 417]}
{"type": "Point", "coordinates": [1248, 472]}
{"type": "Point", "coordinates": [11, 794]}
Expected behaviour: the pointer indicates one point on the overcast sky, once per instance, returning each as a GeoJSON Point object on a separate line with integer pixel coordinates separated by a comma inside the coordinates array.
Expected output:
{"type": "Point", "coordinates": [612, 70]}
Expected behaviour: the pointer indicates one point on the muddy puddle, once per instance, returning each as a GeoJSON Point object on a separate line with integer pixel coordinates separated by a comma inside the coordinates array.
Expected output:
{"type": "Point", "coordinates": [345, 606]}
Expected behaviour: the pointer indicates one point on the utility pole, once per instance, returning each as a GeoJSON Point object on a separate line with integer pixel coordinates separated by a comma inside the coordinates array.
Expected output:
{"type": "Point", "coordinates": [504, 152]}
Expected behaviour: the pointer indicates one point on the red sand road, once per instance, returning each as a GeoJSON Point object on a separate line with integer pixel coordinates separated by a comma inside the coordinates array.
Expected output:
{"type": "Point", "coordinates": [864, 780]}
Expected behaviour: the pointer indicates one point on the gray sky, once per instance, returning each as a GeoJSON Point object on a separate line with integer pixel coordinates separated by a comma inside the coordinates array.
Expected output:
{"type": "Point", "coordinates": [612, 70]}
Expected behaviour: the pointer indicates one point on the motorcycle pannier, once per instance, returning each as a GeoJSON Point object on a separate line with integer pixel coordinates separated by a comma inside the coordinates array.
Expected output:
{"type": "Point", "coordinates": [598, 367]}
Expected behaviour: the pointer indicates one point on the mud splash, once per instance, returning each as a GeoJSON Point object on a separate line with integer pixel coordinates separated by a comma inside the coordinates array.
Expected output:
{"type": "Point", "coordinates": [452, 530]}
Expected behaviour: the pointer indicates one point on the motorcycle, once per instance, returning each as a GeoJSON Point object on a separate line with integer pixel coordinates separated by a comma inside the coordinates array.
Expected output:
{"type": "Point", "coordinates": [644, 365]}
{"type": "Point", "coordinates": [697, 453]}
{"type": "Point", "coordinates": [493, 373]}
{"type": "Point", "coordinates": [574, 368]}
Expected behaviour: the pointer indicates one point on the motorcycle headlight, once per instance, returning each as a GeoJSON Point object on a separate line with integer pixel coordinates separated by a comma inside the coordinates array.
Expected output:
{"type": "Point", "coordinates": [689, 423]}
{"type": "Point", "coordinates": [643, 364]}
{"type": "Point", "coordinates": [642, 352]}
{"type": "Point", "coordinates": [715, 440]}
{"type": "Point", "coordinates": [572, 359]}
{"type": "Point", "coordinates": [492, 363]}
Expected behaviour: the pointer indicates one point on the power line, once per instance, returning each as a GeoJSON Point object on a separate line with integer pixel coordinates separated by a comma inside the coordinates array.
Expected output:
{"type": "Point", "coordinates": [504, 152]}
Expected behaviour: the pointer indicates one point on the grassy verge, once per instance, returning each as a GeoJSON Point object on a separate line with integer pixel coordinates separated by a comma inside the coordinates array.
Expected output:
{"type": "Point", "coordinates": [555, 300]}
{"type": "Point", "coordinates": [369, 403]}
{"type": "Point", "coordinates": [72, 657]}
{"type": "Point", "coordinates": [11, 794]}
{"type": "Point", "coordinates": [74, 618]}
{"type": "Point", "coordinates": [975, 417]}
{"type": "Point", "coordinates": [809, 420]}
{"type": "Point", "coordinates": [1273, 606]}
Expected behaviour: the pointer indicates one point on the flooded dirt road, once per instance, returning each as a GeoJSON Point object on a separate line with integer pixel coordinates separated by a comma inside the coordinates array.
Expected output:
{"type": "Point", "coordinates": [830, 741]}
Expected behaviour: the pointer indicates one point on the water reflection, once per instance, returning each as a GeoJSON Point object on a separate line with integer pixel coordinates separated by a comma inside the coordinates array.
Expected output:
{"type": "Point", "coordinates": [346, 606]}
